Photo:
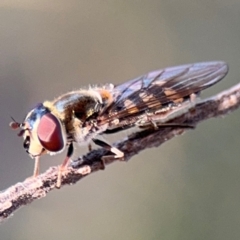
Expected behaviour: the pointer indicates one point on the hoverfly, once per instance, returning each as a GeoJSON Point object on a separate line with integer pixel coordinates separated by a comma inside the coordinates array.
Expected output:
{"type": "Point", "coordinates": [80, 116]}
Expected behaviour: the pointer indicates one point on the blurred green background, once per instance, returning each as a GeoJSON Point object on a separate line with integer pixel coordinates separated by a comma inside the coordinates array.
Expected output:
{"type": "Point", "coordinates": [186, 189]}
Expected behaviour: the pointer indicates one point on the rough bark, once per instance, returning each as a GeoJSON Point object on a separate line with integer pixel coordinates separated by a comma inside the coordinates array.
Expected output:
{"type": "Point", "coordinates": [27, 191]}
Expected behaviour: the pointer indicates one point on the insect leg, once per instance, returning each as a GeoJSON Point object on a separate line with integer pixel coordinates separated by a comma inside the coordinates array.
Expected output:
{"type": "Point", "coordinates": [36, 167]}
{"type": "Point", "coordinates": [193, 97]}
{"type": "Point", "coordinates": [64, 165]}
{"type": "Point", "coordinates": [105, 159]}
{"type": "Point", "coordinates": [159, 120]}
{"type": "Point", "coordinates": [156, 125]}
{"type": "Point", "coordinates": [185, 107]}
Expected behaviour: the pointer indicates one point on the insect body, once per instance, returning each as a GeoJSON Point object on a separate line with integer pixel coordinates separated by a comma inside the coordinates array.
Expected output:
{"type": "Point", "coordinates": [80, 116]}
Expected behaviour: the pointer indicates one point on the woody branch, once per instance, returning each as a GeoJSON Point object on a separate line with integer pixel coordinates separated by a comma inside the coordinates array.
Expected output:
{"type": "Point", "coordinates": [31, 189]}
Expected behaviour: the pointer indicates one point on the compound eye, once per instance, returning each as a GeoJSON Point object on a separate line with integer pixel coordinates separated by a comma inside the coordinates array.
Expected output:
{"type": "Point", "coordinates": [26, 143]}
{"type": "Point", "coordinates": [50, 133]}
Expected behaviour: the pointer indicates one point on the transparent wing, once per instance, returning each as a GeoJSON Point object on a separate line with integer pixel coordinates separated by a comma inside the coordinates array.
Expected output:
{"type": "Point", "coordinates": [158, 88]}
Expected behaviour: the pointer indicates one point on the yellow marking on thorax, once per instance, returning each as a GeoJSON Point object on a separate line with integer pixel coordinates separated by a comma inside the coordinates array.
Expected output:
{"type": "Point", "coordinates": [53, 109]}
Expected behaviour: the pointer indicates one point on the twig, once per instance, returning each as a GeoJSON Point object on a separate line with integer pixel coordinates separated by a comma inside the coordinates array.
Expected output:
{"type": "Point", "coordinates": [35, 188]}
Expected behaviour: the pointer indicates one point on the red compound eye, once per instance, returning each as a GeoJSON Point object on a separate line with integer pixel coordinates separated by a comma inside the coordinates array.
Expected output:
{"type": "Point", "coordinates": [50, 133]}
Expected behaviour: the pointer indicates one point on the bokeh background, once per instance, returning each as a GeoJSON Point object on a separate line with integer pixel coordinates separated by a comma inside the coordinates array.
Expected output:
{"type": "Point", "coordinates": [186, 189]}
